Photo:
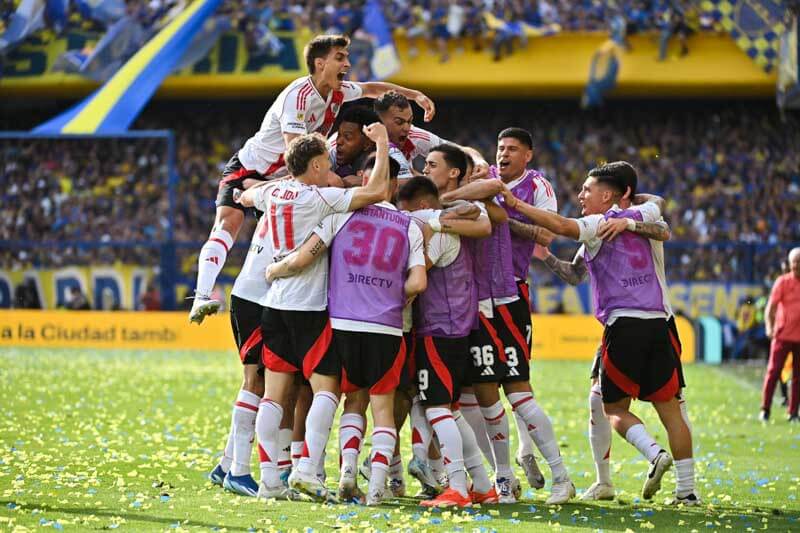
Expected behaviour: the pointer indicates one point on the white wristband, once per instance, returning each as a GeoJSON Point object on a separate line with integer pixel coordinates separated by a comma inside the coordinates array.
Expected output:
{"type": "Point", "coordinates": [435, 224]}
{"type": "Point", "coordinates": [631, 224]}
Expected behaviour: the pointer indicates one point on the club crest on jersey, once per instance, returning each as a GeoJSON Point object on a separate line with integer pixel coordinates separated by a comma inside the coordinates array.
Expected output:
{"type": "Point", "coordinates": [300, 115]}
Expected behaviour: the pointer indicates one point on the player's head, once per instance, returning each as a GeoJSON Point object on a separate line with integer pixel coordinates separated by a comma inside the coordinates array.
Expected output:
{"type": "Point", "coordinates": [514, 152]}
{"type": "Point", "coordinates": [446, 166]}
{"type": "Point", "coordinates": [394, 171]}
{"type": "Point", "coordinates": [418, 193]}
{"type": "Point", "coordinates": [307, 159]}
{"type": "Point", "coordinates": [350, 140]}
{"type": "Point", "coordinates": [794, 262]}
{"type": "Point", "coordinates": [327, 58]}
{"type": "Point", "coordinates": [396, 114]}
{"type": "Point", "coordinates": [605, 186]}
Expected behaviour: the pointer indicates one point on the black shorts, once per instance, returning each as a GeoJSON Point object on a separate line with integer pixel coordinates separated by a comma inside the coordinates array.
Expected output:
{"type": "Point", "coordinates": [487, 352]}
{"type": "Point", "coordinates": [442, 364]}
{"type": "Point", "coordinates": [677, 347]}
{"type": "Point", "coordinates": [299, 341]}
{"type": "Point", "coordinates": [515, 330]}
{"type": "Point", "coordinates": [408, 377]}
{"type": "Point", "coordinates": [246, 326]}
{"type": "Point", "coordinates": [638, 361]}
{"type": "Point", "coordinates": [524, 292]}
{"type": "Point", "coordinates": [233, 176]}
{"type": "Point", "coordinates": [371, 361]}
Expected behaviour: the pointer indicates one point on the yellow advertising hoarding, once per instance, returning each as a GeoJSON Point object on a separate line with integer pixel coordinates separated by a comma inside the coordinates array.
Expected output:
{"type": "Point", "coordinates": [555, 66]}
{"type": "Point", "coordinates": [554, 336]}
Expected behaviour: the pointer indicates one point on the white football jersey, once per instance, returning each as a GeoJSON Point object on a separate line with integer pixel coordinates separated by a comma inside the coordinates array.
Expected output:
{"type": "Point", "coordinates": [293, 210]}
{"type": "Point", "coordinates": [299, 109]}
{"type": "Point", "coordinates": [251, 284]}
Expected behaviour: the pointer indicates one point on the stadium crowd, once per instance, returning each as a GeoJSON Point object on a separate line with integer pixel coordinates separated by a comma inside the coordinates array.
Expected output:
{"type": "Point", "coordinates": [741, 158]}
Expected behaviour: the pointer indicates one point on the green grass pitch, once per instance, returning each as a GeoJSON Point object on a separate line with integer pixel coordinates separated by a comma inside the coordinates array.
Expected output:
{"type": "Point", "coordinates": [97, 440]}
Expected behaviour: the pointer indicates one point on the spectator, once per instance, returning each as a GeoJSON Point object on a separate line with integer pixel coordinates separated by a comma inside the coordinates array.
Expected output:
{"type": "Point", "coordinates": [783, 327]}
{"type": "Point", "coordinates": [150, 300]}
{"type": "Point", "coordinates": [77, 301]}
{"type": "Point", "coordinates": [745, 326]}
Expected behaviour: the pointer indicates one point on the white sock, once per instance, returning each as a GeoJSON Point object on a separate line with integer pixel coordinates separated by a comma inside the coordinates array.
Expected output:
{"type": "Point", "coordinates": [297, 452]}
{"type": "Point", "coordinates": [244, 429]}
{"type": "Point", "coordinates": [383, 441]}
{"type": "Point", "coordinates": [684, 472]}
{"type": "Point", "coordinates": [285, 455]}
{"type": "Point", "coordinates": [227, 454]}
{"type": "Point", "coordinates": [262, 458]}
{"type": "Point", "coordinates": [268, 422]}
{"type": "Point", "coordinates": [318, 429]}
{"type": "Point", "coordinates": [351, 434]}
{"type": "Point", "coordinates": [498, 430]}
{"type": "Point", "coordinates": [211, 260]}
{"type": "Point", "coordinates": [524, 441]}
{"type": "Point", "coordinates": [684, 411]}
{"type": "Point", "coordinates": [321, 464]}
{"type": "Point", "coordinates": [437, 466]}
{"type": "Point", "coordinates": [599, 436]}
{"type": "Point", "coordinates": [641, 439]}
{"type": "Point", "coordinates": [442, 422]}
{"type": "Point", "coordinates": [473, 416]}
{"type": "Point", "coordinates": [421, 433]}
{"type": "Point", "coordinates": [473, 460]}
{"type": "Point", "coordinates": [396, 467]}
{"type": "Point", "coordinates": [541, 431]}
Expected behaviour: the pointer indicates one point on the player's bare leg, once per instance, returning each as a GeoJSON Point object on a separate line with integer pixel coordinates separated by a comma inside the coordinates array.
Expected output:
{"type": "Point", "coordinates": [352, 425]}
{"type": "Point", "coordinates": [540, 428]}
{"type": "Point", "coordinates": [384, 439]}
{"type": "Point", "coordinates": [212, 258]}
{"type": "Point", "coordinates": [270, 414]}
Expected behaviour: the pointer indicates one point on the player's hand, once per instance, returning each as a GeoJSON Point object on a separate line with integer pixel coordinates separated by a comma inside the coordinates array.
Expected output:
{"type": "Point", "coordinates": [237, 195]}
{"type": "Point", "coordinates": [481, 170]}
{"type": "Point", "coordinates": [271, 272]}
{"type": "Point", "coordinates": [427, 105]}
{"type": "Point", "coordinates": [508, 197]}
{"type": "Point", "coordinates": [612, 227]}
{"type": "Point", "coordinates": [540, 252]}
{"type": "Point", "coordinates": [376, 133]}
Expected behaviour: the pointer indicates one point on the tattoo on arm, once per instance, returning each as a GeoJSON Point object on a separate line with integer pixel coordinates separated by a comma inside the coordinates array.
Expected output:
{"type": "Point", "coordinates": [317, 248]}
{"type": "Point", "coordinates": [521, 229]}
{"type": "Point", "coordinates": [570, 272]}
{"type": "Point", "coordinates": [658, 231]}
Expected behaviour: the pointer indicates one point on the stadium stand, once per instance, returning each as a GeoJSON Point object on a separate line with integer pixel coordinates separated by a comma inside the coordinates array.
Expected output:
{"type": "Point", "coordinates": [741, 159]}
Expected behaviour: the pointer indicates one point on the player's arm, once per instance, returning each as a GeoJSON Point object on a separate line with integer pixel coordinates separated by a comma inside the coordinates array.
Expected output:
{"type": "Point", "coordinates": [254, 195]}
{"type": "Point", "coordinates": [460, 209]}
{"type": "Point", "coordinates": [374, 89]}
{"type": "Point", "coordinates": [658, 230]}
{"type": "Point", "coordinates": [480, 168]}
{"type": "Point", "coordinates": [571, 272]}
{"type": "Point", "coordinates": [643, 198]}
{"type": "Point", "coordinates": [476, 229]}
{"type": "Point", "coordinates": [297, 261]}
{"type": "Point", "coordinates": [531, 232]}
{"type": "Point", "coordinates": [566, 227]}
{"type": "Point", "coordinates": [375, 189]}
{"type": "Point", "coordinates": [477, 190]}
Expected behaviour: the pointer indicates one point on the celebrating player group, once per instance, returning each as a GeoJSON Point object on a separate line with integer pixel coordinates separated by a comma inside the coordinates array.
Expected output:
{"type": "Point", "coordinates": [369, 284]}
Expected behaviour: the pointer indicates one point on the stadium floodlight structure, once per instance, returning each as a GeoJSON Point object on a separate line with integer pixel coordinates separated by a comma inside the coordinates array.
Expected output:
{"type": "Point", "coordinates": [165, 247]}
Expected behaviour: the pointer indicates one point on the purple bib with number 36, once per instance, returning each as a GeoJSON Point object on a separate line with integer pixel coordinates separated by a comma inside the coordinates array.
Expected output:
{"type": "Point", "coordinates": [368, 267]}
{"type": "Point", "coordinates": [623, 274]}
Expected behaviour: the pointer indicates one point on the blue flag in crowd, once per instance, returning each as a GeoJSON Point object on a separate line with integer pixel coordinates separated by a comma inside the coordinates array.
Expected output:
{"type": "Point", "coordinates": [56, 12]}
{"type": "Point", "coordinates": [28, 18]}
{"type": "Point", "coordinates": [384, 61]}
{"type": "Point", "coordinates": [119, 43]}
{"type": "Point", "coordinates": [204, 41]}
{"type": "Point", "coordinates": [104, 11]}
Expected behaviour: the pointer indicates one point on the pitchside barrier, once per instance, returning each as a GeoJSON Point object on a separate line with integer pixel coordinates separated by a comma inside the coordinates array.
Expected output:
{"type": "Point", "coordinates": [554, 336]}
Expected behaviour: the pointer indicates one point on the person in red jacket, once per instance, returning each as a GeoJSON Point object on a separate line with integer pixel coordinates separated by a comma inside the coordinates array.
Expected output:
{"type": "Point", "coordinates": [782, 320]}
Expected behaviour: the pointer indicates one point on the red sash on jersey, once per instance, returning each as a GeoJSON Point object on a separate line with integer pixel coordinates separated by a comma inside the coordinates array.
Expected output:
{"type": "Point", "coordinates": [330, 113]}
